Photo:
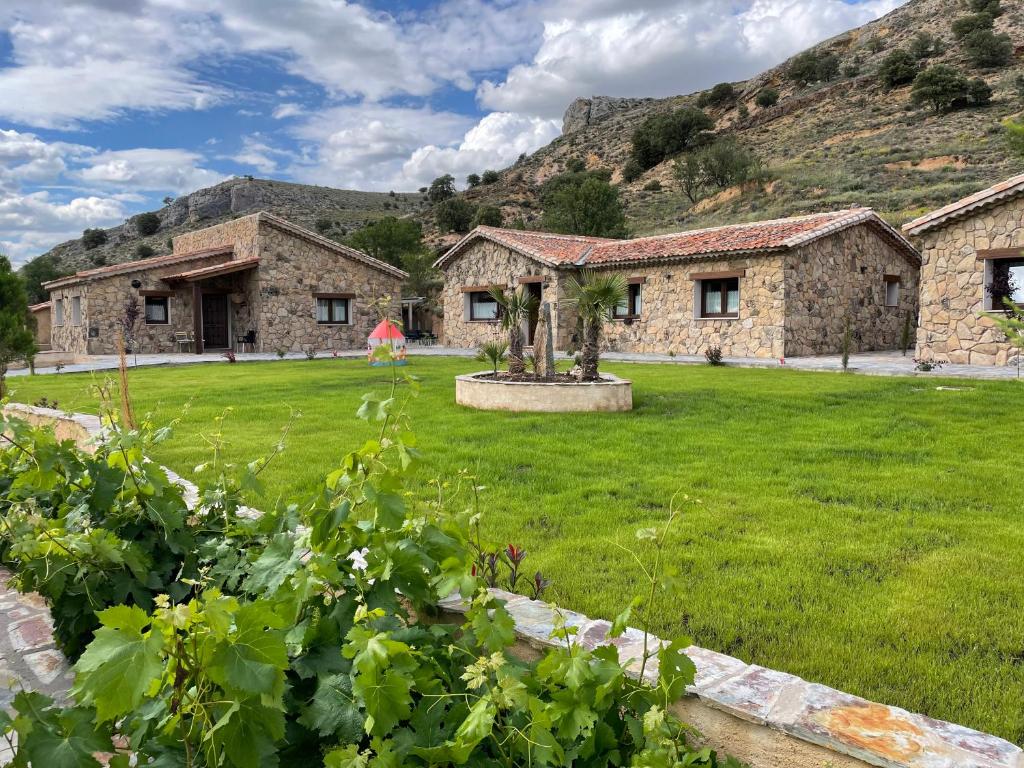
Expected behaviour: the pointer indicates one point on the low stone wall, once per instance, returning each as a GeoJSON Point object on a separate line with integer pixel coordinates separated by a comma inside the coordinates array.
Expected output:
{"type": "Point", "coordinates": [767, 719]}
{"type": "Point", "coordinates": [772, 719]}
{"type": "Point", "coordinates": [610, 394]}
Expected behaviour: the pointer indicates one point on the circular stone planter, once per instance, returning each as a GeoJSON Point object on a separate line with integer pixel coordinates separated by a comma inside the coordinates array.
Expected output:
{"type": "Point", "coordinates": [609, 394]}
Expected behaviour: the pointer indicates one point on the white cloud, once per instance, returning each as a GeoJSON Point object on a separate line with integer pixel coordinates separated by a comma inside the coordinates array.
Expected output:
{"type": "Point", "coordinates": [34, 222]}
{"type": "Point", "coordinates": [174, 170]}
{"type": "Point", "coordinates": [495, 142]}
{"type": "Point", "coordinates": [615, 49]}
{"type": "Point", "coordinates": [287, 109]}
{"type": "Point", "coordinates": [25, 158]}
{"type": "Point", "coordinates": [257, 152]}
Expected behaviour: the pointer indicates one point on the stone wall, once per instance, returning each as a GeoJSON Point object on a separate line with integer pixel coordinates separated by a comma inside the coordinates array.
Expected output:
{"type": "Point", "coordinates": [953, 325]}
{"type": "Point", "coordinates": [484, 264]}
{"type": "Point", "coordinates": [668, 321]}
{"type": "Point", "coordinates": [292, 270]}
{"type": "Point", "coordinates": [241, 234]}
{"type": "Point", "coordinates": [842, 277]}
{"type": "Point", "coordinates": [103, 302]}
{"type": "Point", "coordinates": [43, 330]}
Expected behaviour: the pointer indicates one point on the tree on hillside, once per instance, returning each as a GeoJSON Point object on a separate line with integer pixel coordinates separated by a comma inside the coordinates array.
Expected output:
{"type": "Point", "coordinates": [987, 50]}
{"type": "Point", "coordinates": [442, 188]}
{"type": "Point", "coordinates": [454, 215]}
{"type": "Point", "coordinates": [662, 136]}
{"type": "Point", "coordinates": [39, 270]}
{"type": "Point", "coordinates": [93, 238]}
{"type": "Point", "coordinates": [388, 239]}
{"type": "Point", "coordinates": [992, 7]}
{"type": "Point", "coordinates": [147, 224]}
{"type": "Point", "coordinates": [723, 164]}
{"type": "Point", "coordinates": [813, 67]}
{"type": "Point", "coordinates": [473, 180]}
{"type": "Point", "coordinates": [944, 89]}
{"type": "Point", "coordinates": [487, 216]}
{"type": "Point", "coordinates": [490, 177]}
{"type": "Point", "coordinates": [583, 204]}
{"type": "Point", "coordinates": [719, 96]}
{"type": "Point", "coordinates": [898, 68]}
{"type": "Point", "coordinates": [17, 340]}
{"type": "Point", "coordinates": [966, 25]}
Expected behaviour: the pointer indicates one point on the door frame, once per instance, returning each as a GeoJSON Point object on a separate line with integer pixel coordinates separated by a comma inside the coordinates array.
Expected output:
{"type": "Point", "coordinates": [199, 294]}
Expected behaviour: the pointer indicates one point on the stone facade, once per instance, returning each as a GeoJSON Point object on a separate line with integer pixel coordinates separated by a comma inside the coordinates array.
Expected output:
{"type": "Point", "coordinates": [276, 299]}
{"type": "Point", "coordinates": [792, 302]}
{"type": "Point", "coordinates": [484, 264]}
{"type": "Point", "coordinates": [954, 325]}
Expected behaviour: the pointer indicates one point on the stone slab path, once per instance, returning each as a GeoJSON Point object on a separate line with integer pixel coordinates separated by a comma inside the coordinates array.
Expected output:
{"type": "Point", "coordinates": [866, 363]}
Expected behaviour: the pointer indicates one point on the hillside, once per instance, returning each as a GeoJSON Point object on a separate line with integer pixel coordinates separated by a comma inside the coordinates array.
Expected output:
{"type": "Point", "coordinates": [334, 212]}
{"type": "Point", "coordinates": [846, 142]}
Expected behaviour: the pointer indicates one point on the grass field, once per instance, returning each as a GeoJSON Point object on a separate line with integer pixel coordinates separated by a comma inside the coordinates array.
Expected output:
{"type": "Point", "coordinates": [866, 533]}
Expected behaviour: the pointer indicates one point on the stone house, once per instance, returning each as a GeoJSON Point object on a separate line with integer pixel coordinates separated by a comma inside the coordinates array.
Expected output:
{"type": "Point", "coordinates": [765, 289]}
{"type": "Point", "coordinates": [41, 314]}
{"type": "Point", "coordinates": [972, 257]}
{"type": "Point", "coordinates": [258, 276]}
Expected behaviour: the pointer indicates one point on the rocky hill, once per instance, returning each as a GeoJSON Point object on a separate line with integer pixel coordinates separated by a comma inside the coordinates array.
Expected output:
{"type": "Point", "coordinates": [334, 212]}
{"type": "Point", "coordinates": [849, 141]}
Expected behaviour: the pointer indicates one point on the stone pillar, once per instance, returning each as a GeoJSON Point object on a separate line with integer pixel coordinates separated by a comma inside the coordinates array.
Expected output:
{"type": "Point", "coordinates": [544, 343]}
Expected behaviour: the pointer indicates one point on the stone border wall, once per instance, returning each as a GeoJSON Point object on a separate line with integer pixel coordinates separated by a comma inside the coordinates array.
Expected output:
{"type": "Point", "coordinates": [608, 395]}
{"type": "Point", "coordinates": [766, 718]}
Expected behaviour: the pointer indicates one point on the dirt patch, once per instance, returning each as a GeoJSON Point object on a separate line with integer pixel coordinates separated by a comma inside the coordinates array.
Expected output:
{"type": "Point", "coordinates": [841, 138]}
{"type": "Point", "coordinates": [929, 164]}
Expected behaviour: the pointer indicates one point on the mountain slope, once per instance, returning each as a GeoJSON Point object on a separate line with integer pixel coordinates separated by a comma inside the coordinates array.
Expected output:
{"type": "Point", "coordinates": [847, 142]}
{"type": "Point", "coordinates": [334, 212]}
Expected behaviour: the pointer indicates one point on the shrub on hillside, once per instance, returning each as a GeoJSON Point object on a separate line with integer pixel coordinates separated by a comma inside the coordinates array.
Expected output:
{"type": "Point", "coordinates": [489, 177]}
{"type": "Point", "coordinates": [454, 215]}
{"type": "Point", "coordinates": [632, 171]}
{"type": "Point", "coordinates": [487, 216]}
{"type": "Point", "coordinates": [388, 239]}
{"type": "Point", "coordinates": [323, 225]}
{"type": "Point", "coordinates": [143, 251]}
{"type": "Point", "coordinates": [992, 7]}
{"type": "Point", "coordinates": [987, 50]}
{"type": "Point", "coordinates": [147, 224]}
{"type": "Point", "coordinates": [93, 238]}
{"type": "Point", "coordinates": [966, 25]}
{"type": "Point", "coordinates": [575, 165]}
{"type": "Point", "coordinates": [719, 96]}
{"type": "Point", "coordinates": [583, 204]}
{"type": "Point", "coordinates": [662, 136]}
{"type": "Point", "coordinates": [768, 97]}
{"type": "Point", "coordinates": [720, 165]}
{"type": "Point", "coordinates": [925, 46]}
{"type": "Point", "coordinates": [473, 180]}
{"type": "Point", "coordinates": [898, 68]}
{"type": "Point", "coordinates": [652, 186]}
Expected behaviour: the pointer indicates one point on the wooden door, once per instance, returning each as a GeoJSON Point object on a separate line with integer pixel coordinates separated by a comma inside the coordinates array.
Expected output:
{"type": "Point", "coordinates": [215, 321]}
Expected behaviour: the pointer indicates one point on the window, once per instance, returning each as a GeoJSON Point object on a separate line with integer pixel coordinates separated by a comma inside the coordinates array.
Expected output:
{"type": "Point", "coordinates": [58, 312]}
{"type": "Point", "coordinates": [76, 310]}
{"type": "Point", "coordinates": [631, 305]}
{"type": "Point", "coordinates": [892, 291]}
{"type": "Point", "coordinates": [331, 310]}
{"type": "Point", "coordinates": [482, 306]}
{"type": "Point", "coordinates": [157, 310]}
{"type": "Point", "coordinates": [720, 297]}
{"type": "Point", "coordinates": [1007, 282]}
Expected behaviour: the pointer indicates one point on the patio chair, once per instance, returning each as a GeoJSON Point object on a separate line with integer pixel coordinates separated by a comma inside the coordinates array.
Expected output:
{"type": "Point", "coordinates": [183, 339]}
{"type": "Point", "coordinates": [249, 339]}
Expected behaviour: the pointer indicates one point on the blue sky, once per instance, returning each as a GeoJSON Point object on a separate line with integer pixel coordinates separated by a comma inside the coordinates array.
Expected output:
{"type": "Point", "coordinates": [108, 106]}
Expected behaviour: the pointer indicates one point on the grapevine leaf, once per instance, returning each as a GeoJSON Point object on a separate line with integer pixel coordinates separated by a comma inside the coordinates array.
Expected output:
{"type": "Point", "coordinates": [333, 711]}
{"type": "Point", "coordinates": [248, 731]}
{"type": "Point", "coordinates": [495, 631]}
{"type": "Point", "coordinates": [56, 738]}
{"type": "Point", "coordinates": [675, 669]}
{"type": "Point", "coordinates": [387, 700]}
{"type": "Point", "coordinates": [475, 728]}
{"type": "Point", "coordinates": [279, 561]}
{"type": "Point", "coordinates": [253, 659]}
{"type": "Point", "coordinates": [120, 644]}
{"type": "Point", "coordinates": [347, 757]}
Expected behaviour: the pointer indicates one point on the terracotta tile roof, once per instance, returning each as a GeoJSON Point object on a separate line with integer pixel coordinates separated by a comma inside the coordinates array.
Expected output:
{"type": "Point", "coordinates": [1003, 190]}
{"type": "Point", "coordinates": [755, 237]}
{"type": "Point", "coordinates": [546, 247]}
{"type": "Point", "coordinates": [136, 266]}
{"type": "Point", "coordinates": [226, 268]}
{"type": "Point", "coordinates": [39, 307]}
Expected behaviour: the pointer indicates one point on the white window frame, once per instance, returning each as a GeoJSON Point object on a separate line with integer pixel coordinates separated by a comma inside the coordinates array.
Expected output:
{"type": "Point", "coordinates": [58, 313]}
{"type": "Point", "coordinates": [76, 311]}
{"type": "Point", "coordinates": [892, 284]}
{"type": "Point", "coordinates": [167, 309]}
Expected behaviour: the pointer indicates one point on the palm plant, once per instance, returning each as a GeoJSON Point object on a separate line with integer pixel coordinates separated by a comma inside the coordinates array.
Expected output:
{"type": "Point", "coordinates": [516, 307]}
{"type": "Point", "coordinates": [492, 352]}
{"type": "Point", "coordinates": [595, 297]}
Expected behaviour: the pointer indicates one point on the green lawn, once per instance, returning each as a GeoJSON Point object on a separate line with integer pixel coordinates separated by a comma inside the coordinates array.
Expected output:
{"type": "Point", "coordinates": [866, 533]}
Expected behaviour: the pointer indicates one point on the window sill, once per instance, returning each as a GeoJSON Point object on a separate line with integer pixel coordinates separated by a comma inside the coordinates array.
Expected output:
{"type": "Point", "coordinates": [491, 322]}
{"type": "Point", "coordinates": [626, 319]}
{"type": "Point", "coordinates": [149, 323]}
{"type": "Point", "coordinates": [718, 317]}
{"type": "Point", "coordinates": [336, 325]}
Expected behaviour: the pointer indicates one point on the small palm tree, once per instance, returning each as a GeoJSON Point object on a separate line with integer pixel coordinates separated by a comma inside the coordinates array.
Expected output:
{"type": "Point", "coordinates": [516, 307]}
{"type": "Point", "coordinates": [595, 297]}
{"type": "Point", "coordinates": [492, 352]}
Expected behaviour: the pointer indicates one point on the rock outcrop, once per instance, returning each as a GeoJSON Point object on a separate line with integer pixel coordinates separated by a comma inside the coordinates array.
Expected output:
{"type": "Point", "coordinates": [584, 112]}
